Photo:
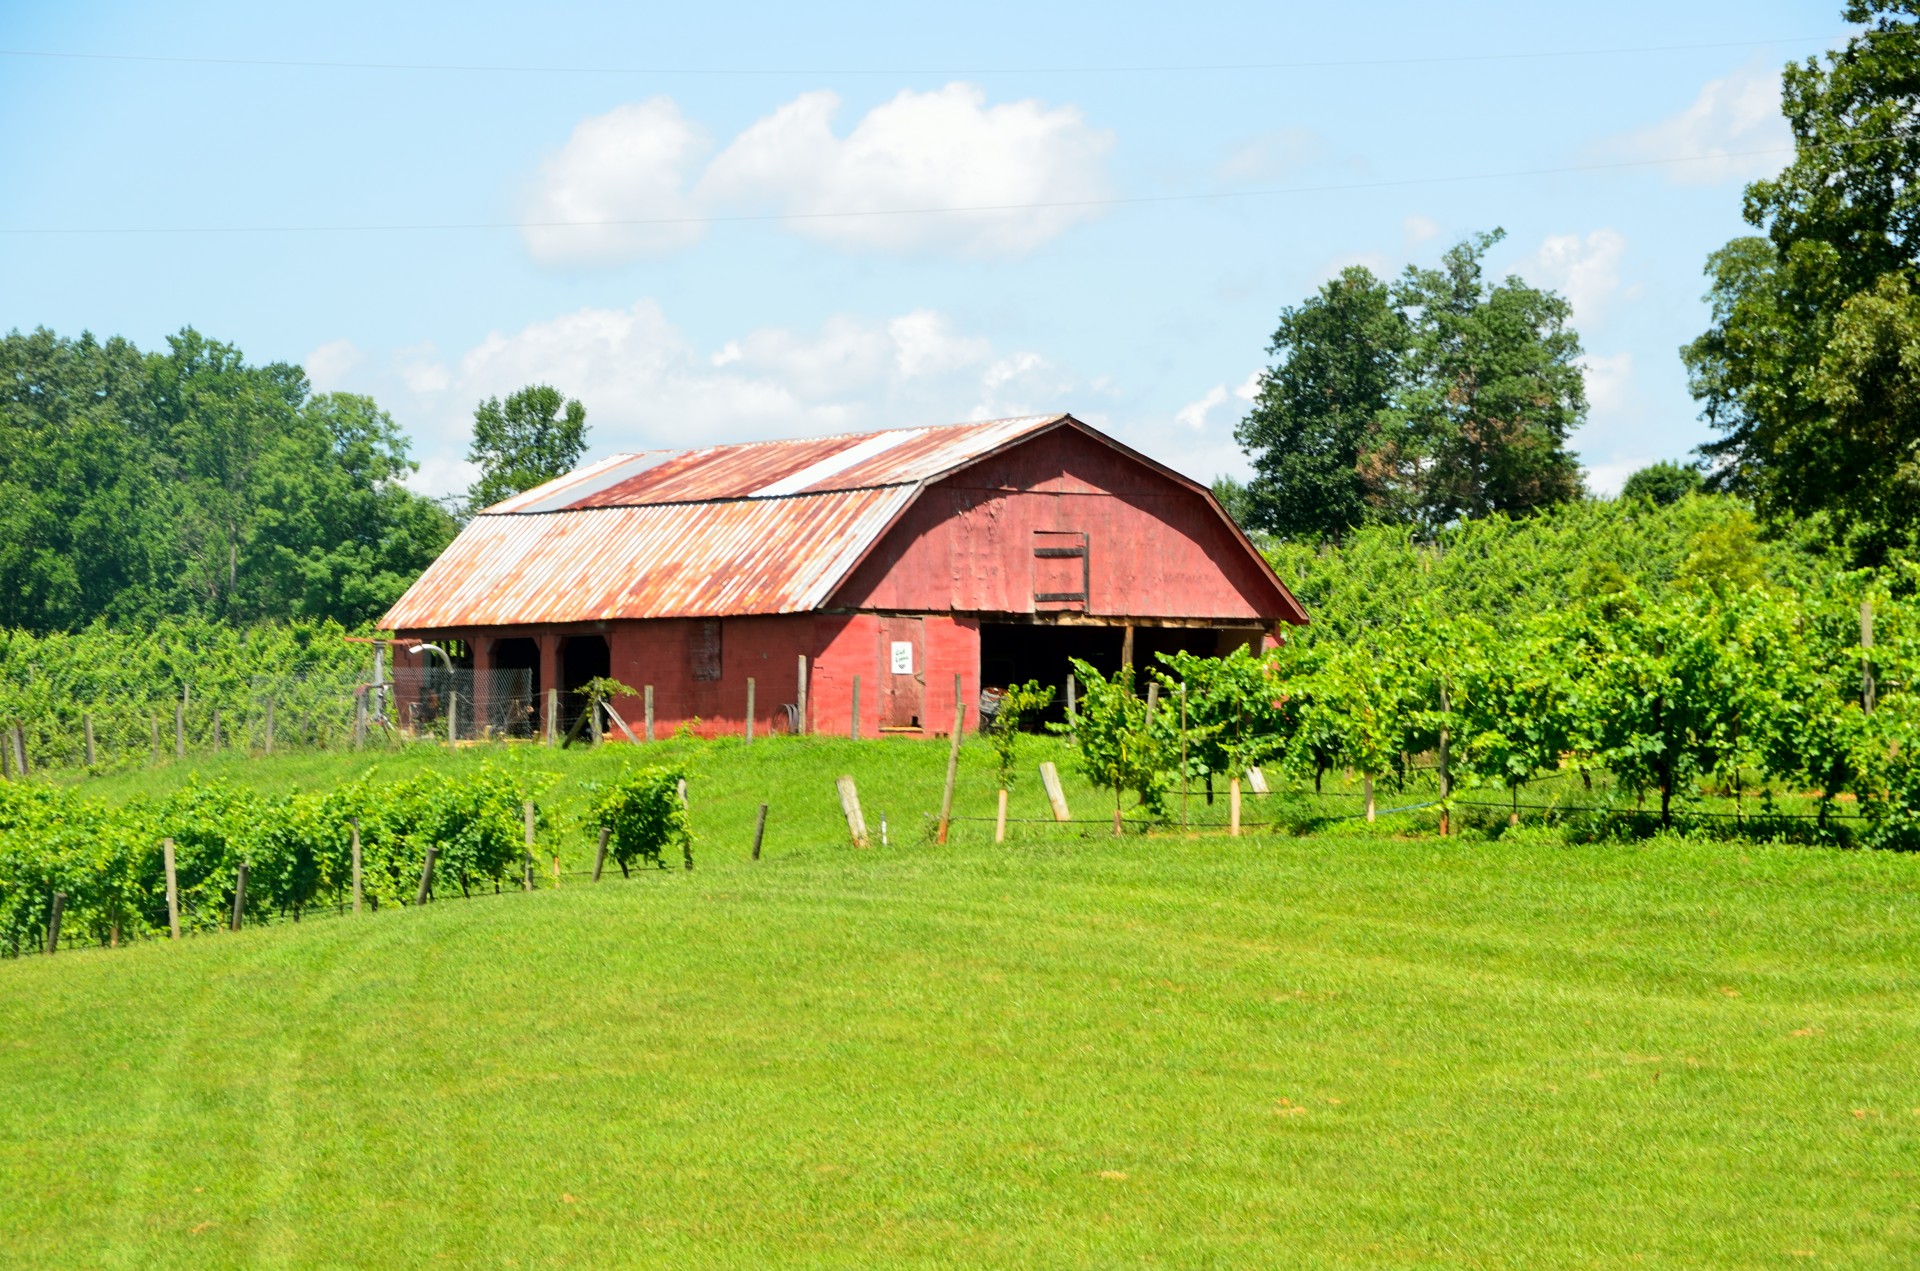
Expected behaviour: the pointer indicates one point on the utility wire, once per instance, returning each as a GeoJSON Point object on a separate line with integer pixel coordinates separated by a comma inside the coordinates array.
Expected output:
{"type": "Point", "coordinates": [1138, 200]}
{"type": "Point", "coordinates": [1171, 68]}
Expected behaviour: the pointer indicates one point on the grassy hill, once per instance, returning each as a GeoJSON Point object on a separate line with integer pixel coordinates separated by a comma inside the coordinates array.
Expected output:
{"type": "Point", "coordinates": [1353, 1051]}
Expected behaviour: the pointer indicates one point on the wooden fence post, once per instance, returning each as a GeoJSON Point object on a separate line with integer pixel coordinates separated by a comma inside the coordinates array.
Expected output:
{"type": "Point", "coordinates": [526, 819]}
{"type": "Point", "coordinates": [594, 727]}
{"type": "Point", "coordinates": [850, 807]}
{"type": "Point", "coordinates": [1186, 778]}
{"type": "Point", "coordinates": [1866, 659]}
{"type": "Point", "coordinates": [856, 709]}
{"type": "Point", "coordinates": [86, 723]}
{"type": "Point", "coordinates": [686, 844]}
{"type": "Point", "coordinates": [1367, 780]}
{"type": "Point", "coordinates": [359, 721]}
{"type": "Point", "coordinates": [953, 758]}
{"type": "Point", "coordinates": [173, 889]}
{"type": "Point", "coordinates": [647, 698]}
{"type": "Point", "coordinates": [53, 922]}
{"type": "Point", "coordinates": [180, 727]}
{"type": "Point", "coordinates": [759, 830]}
{"type": "Point", "coordinates": [1233, 805]}
{"type": "Point", "coordinates": [269, 735]}
{"type": "Point", "coordinates": [20, 764]}
{"type": "Point", "coordinates": [600, 856]}
{"type": "Point", "coordinates": [1050, 779]}
{"type": "Point", "coordinates": [216, 730]}
{"type": "Point", "coordinates": [1257, 782]}
{"type": "Point", "coordinates": [1072, 710]}
{"type": "Point", "coordinates": [1000, 820]}
{"type": "Point", "coordinates": [357, 889]}
{"type": "Point", "coordinates": [239, 896]}
{"type": "Point", "coordinates": [426, 876]}
{"type": "Point", "coordinates": [1446, 774]}
{"type": "Point", "coordinates": [553, 716]}
{"type": "Point", "coordinates": [802, 694]}
{"type": "Point", "coordinates": [749, 710]}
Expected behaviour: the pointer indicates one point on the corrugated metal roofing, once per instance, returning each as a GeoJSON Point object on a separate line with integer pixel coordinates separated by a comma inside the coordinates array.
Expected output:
{"type": "Point", "coordinates": [764, 527]}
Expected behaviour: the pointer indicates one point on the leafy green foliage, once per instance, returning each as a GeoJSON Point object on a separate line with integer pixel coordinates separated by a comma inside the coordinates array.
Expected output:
{"type": "Point", "coordinates": [1439, 398]}
{"type": "Point", "coordinates": [1810, 370]}
{"type": "Point", "coordinates": [1120, 747]}
{"type": "Point", "coordinates": [537, 434]}
{"type": "Point", "coordinates": [136, 486]}
{"type": "Point", "coordinates": [1017, 702]}
{"type": "Point", "coordinates": [1663, 483]}
{"type": "Point", "coordinates": [643, 810]}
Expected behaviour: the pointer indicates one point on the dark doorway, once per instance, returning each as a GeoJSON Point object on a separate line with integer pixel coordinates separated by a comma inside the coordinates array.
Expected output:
{"type": "Point", "coordinates": [514, 698]}
{"type": "Point", "coordinates": [1015, 652]}
{"type": "Point", "coordinates": [582, 658]}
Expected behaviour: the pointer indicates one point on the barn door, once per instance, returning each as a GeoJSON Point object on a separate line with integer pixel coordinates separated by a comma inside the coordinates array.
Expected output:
{"type": "Point", "coordinates": [902, 671]}
{"type": "Point", "coordinates": [1060, 571]}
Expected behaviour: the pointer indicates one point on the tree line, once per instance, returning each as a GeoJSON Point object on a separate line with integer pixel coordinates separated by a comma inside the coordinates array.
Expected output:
{"type": "Point", "coordinates": [1443, 396]}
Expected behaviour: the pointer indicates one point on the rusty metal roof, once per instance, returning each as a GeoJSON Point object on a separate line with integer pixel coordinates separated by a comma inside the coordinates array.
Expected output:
{"type": "Point", "coordinates": [759, 528]}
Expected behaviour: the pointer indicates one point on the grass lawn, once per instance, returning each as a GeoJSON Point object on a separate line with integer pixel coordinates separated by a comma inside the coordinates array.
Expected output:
{"type": "Point", "coordinates": [1351, 1051]}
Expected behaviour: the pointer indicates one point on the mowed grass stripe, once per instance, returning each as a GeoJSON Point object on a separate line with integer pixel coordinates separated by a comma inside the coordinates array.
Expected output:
{"type": "Point", "coordinates": [1321, 1052]}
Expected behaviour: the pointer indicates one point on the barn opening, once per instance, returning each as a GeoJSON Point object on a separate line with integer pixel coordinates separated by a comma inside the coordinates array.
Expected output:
{"type": "Point", "coordinates": [1015, 652]}
{"type": "Point", "coordinates": [582, 658]}
{"type": "Point", "coordinates": [514, 697]}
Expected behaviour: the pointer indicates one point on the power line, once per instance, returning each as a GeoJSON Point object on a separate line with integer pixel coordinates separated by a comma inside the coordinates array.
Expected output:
{"type": "Point", "coordinates": [1142, 69]}
{"type": "Point", "coordinates": [1060, 204]}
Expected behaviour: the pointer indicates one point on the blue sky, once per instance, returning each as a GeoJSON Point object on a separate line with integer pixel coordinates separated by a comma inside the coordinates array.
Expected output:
{"type": "Point", "coordinates": [393, 227]}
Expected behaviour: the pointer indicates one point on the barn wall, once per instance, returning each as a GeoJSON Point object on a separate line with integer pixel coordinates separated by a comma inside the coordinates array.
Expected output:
{"type": "Point", "coordinates": [1156, 548]}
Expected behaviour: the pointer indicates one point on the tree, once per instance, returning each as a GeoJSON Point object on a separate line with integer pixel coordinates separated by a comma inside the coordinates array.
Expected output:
{"type": "Point", "coordinates": [1491, 391]}
{"type": "Point", "coordinates": [534, 436]}
{"type": "Point", "coordinates": [1663, 484]}
{"type": "Point", "coordinates": [1810, 369]}
{"type": "Point", "coordinates": [1339, 365]}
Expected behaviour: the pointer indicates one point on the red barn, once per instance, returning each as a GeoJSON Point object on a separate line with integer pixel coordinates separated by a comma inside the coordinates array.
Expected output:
{"type": "Point", "coordinates": [891, 562]}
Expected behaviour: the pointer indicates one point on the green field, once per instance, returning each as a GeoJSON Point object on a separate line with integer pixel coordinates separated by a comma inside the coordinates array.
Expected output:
{"type": "Point", "coordinates": [1340, 1050]}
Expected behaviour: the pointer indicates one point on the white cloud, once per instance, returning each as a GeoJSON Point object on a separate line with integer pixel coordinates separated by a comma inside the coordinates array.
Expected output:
{"type": "Point", "coordinates": [632, 163]}
{"type": "Point", "coordinates": [1605, 479]}
{"type": "Point", "coordinates": [945, 148]}
{"type": "Point", "coordinates": [330, 364]}
{"type": "Point", "coordinates": [1732, 117]}
{"type": "Point", "coordinates": [1609, 381]}
{"type": "Point", "coordinates": [1419, 229]}
{"type": "Point", "coordinates": [1194, 414]}
{"type": "Point", "coordinates": [1584, 270]}
{"type": "Point", "coordinates": [1271, 155]}
{"type": "Point", "coordinates": [646, 386]}
{"type": "Point", "coordinates": [1250, 387]}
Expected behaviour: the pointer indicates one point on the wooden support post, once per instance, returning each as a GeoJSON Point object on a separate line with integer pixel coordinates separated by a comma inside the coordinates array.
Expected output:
{"type": "Point", "coordinates": [802, 729]}
{"type": "Point", "coordinates": [553, 716]}
{"type": "Point", "coordinates": [686, 844]}
{"type": "Point", "coordinates": [358, 890]}
{"type": "Point", "coordinates": [1866, 658]}
{"type": "Point", "coordinates": [620, 723]}
{"type": "Point", "coordinates": [1073, 710]}
{"type": "Point", "coordinates": [1186, 778]}
{"type": "Point", "coordinates": [850, 808]}
{"type": "Point", "coordinates": [1153, 699]}
{"type": "Point", "coordinates": [426, 876]}
{"type": "Point", "coordinates": [269, 735]}
{"type": "Point", "coordinates": [216, 730]}
{"type": "Point", "coordinates": [20, 763]}
{"type": "Point", "coordinates": [359, 721]}
{"type": "Point", "coordinates": [749, 710]}
{"type": "Point", "coordinates": [1233, 805]}
{"type": "Point", "coordinates": [86, 726]}
{"type": "Point", "coordinates": [180, 728]}
{"type": "Point", "coordinates": [526, 825]}
{"type": "Point", "coordinates": [453, 717]}
{"type": "Point", "coordinates": [1126, 646]}
{"type": "Point", "coordinates": [600, 853]}
{"type": "Point", "coordinates": [647, 698]}
{"type": "Point", "coordinates": [173, 889]}
{"type": "Point", "coordinates": [1000, 819]}
{"type": "Point", "coordinates": [1368, 779]}
{"type": "Point", "coordinates": [1257, 782]}
{"type": "Point", "coordinates": [1446, 774]}
{"type": "Point", "coordinates": [53, 922]}
{"type": "Point", "coordinates": [759, 830]}
{"type": "Point", "coordinates": [953, 759]}
{"type": "Point", "coordinates": [594, 726]}
{"type": "Point", "coordinates": [239, 896]}
{"type": "Point", "coordinates": [556, 869]}
{"type": "Point", "coordinates": [855, 731]}
{"type": "Point", "coordinates": [1057, 797]}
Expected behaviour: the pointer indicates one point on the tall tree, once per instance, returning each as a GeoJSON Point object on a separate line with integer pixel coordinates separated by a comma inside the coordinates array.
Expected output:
{"type": "Point", "coordinates": [1810, 370]}
{"type": "Point", "coordinates": [532, 437]}
{"type": "Point", "coordinates": [1492, 390]}
{"type": "Point", "coordinates": [1338, 365]}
